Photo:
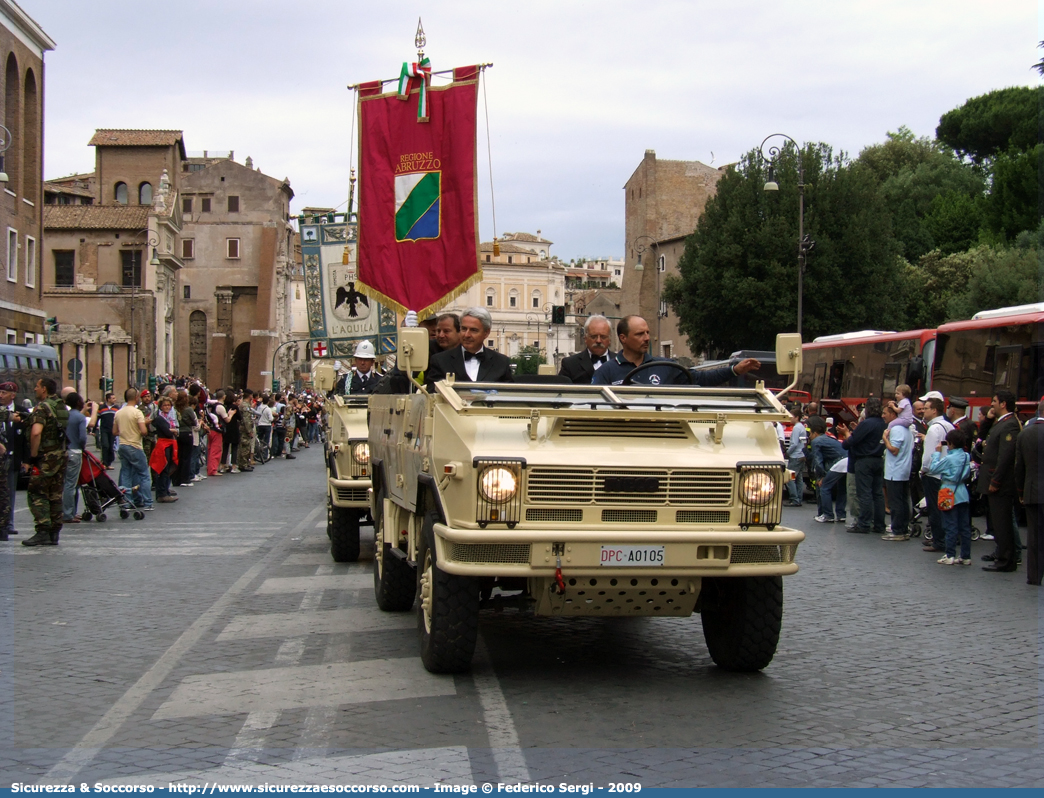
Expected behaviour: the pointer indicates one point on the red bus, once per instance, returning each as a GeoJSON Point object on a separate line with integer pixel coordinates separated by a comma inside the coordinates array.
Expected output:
{"type": "Point", "coordinates": [995, 349]}
{"type": "Point", "coordinates": [854, 366]}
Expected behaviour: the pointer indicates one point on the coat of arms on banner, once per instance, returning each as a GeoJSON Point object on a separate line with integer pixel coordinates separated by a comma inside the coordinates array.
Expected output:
{"type": "Point", "coordinates": [417, 206]}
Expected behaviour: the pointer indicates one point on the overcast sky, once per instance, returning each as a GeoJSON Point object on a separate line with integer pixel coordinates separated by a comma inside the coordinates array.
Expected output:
{"type": "Point", "coordinates": [578, 91]}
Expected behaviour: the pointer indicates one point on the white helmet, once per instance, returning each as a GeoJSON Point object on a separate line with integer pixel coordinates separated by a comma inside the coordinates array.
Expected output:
{"type": "Point", "coordinates": [365, 349]}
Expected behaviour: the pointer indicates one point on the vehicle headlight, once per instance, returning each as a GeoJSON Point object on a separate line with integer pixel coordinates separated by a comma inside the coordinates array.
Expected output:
{"type": "Point", "coordinates": [757, 488]}
{"type": "Point", "coordinates": [361, 452]}
{"type": "Point", "coordinates": [498, 484]}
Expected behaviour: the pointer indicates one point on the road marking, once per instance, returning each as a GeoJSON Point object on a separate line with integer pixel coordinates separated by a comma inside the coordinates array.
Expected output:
{"type": "Point", "coordinates": [91, 743]}
{"type": "Point", "coordinates": [500, 726]}
{"type": "Point", "coordinates": [143, 551]}
{"type": "Point", "coordinates": [318, 558]}
{"type": "Point", "coordinates": [302, 584]}
{"type": "Point", "coordinates": [304, 686]}
{"type": "Point", "coordinates": [449, 765]}
{"type": "Point", "coordinates": [326, 622]}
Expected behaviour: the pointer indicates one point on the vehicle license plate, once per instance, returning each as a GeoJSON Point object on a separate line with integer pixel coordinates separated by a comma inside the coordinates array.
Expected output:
{"type": "Point", "coordinates": [619, 556]}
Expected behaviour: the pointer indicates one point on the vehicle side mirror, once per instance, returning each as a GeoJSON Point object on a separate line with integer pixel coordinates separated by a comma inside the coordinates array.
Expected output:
{"type": "Point", "coordinates": [788, 353]}
{"type": "Point", "coordinates": [324, 377]}
{"type": "Point", "coordinates": [412, 353]}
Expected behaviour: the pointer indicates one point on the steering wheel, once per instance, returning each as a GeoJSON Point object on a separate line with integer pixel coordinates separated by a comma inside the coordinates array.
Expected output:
{"type": "Point", "coordinates": [656, 363]}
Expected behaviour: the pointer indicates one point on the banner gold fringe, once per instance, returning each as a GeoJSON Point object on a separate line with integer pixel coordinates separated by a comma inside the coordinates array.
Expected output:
{"type": "Point", "coordinates": [401, 309]}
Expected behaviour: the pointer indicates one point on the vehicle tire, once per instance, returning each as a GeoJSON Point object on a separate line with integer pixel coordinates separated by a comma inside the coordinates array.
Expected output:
{"type": "Point", "coordinates": [394, 580]}
{"type": "Point", "coordinates": [342, 527]}
{"type": "Point", "coordinates": [741, 618]}
{"type": "Point", "coordinates": [447, 612]}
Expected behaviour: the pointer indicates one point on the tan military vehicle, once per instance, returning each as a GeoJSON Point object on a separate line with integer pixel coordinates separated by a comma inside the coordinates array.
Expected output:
{"type": "Point", "coordinates": [347, 466]}
{"type": "Point", "coordinates": [571, 500]}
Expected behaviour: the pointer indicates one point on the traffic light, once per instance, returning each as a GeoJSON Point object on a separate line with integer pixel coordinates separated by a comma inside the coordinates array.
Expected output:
{"type": "Point", "coordinates": [275, 386]}
{"type": "Point", "coordinates": [52, 322]}
{"type": "Point", "coordinates": [558, 314]}
{"type": "Point", "coordinates": [105, 384]}
{"type": "Point", "coordinates": [152, 383]}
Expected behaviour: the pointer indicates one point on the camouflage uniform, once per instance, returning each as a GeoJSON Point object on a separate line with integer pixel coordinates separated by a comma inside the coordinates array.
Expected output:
{"type": "Point", "coordinates": [246, 435]}
{"type": "Point", "coordinates": [47, 480]}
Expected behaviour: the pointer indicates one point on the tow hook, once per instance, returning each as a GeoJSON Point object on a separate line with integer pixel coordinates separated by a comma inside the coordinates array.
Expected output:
{"type": "Point", "coordinates": [559, 586]}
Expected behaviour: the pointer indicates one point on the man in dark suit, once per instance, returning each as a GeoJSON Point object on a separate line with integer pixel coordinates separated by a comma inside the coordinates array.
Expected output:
{"type": "Point", "coordinates": [579, 368]}
{"type": "Point", "coordinates": [1031, 491]}
{"type": "Point", "coordinates": [997, 479]}
{"type": "Point", "coordinates": [471, 361]}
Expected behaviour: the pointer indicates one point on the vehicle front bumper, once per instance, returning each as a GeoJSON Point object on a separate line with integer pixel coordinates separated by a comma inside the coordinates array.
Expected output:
{"type": "Point", "coordinates": [533, 553]}
{"type": "Point", "coordinates": [350, 492]}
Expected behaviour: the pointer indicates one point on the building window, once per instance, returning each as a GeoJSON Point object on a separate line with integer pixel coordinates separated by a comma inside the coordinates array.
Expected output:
{"type": "Point", "coordinates": [188, 248]}
{"type": "Point", "coordinates": [205, 203]}
{"type": "Point", "coordinates": [662, 263]}
{"type": "Point", "coordinates": [120, 193]}
{"type": "Point", "coordinates": [513, 301]}
{"type": "Point", "coordinates": [145, 194]}
{"type": "Point", "coordinates": [297, 292]}
{"type": "Point", "coordinates": [232, 248]}
{"type": "Point", "coordinates": [489, 298]}
{"type": "Point", "coordinates": [487, 259]}
{"type": "Point", "coordinates": [536, 300]}
{"type": "Point", "coordinates": [186, 292]}
{"type": "Point", "coordinates": [130, 263]}
{"type": "Point", "coordinates": [186, 205]}
{"type": "Point", "coordinates": [64, 268]}
{"type": "Point", "coordinates": [30, 261]}
{"type": "Point", "coordinates": [29, 338]}
{"type": "Point", "coordinates": [663, 309]}
{"type": "Point", "coordinates": [12, 336]}
{"type": "Point", "coordinates": [509, 259]}
{"type": "Point", "coordinates": [490, 343]}
{"type": "Point", "coordinates": [12, 255]}
{"type": "Point", "coordinates": [233, 204]}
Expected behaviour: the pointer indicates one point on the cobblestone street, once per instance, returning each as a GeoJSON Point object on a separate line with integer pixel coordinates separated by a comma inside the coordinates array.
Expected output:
{"type": "Point", "coordinates": [217, 641]}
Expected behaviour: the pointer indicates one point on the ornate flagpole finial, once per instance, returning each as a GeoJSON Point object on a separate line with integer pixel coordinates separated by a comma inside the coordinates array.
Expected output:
{"type": "Point", "coordinates": [419, 40]}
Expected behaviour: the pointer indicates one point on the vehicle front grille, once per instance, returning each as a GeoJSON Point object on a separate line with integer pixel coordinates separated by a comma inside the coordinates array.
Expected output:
{"type": "Point", "coordinates": [748, 555]}
{"type": "Point", "coordinates": [352, 494]}
{"type": "Point", "coordinates": [551, 514]}
{"type": "Point", "coordinates": [511, 553]}
{"type": "Point", "coordinates": [629, 516]}
{"type": "Point", "coordinates": [629, 486]}
{"type": "Point", "coordinates": [607, 428]}
{"type": "Point", "coordinates": [701, 517]}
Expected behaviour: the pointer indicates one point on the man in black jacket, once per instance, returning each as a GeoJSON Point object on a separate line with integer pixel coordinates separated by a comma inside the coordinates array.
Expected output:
{"type": "Point", "coordinates": [1031, 492]}
{"type": "Point", "coordinates": [471, 361]}
{"type": "Point", "coordinates": [579, 368]}
{"type": "Point", "coordinates": [997, 479]}
{"type": "Point", "coordinates": [865, 449]}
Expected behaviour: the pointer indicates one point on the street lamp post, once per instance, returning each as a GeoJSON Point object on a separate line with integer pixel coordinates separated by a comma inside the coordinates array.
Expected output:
{"type": "Point", "coordinates": [805, 245]}
{"type": "Point", "coordinates": [150, 241]}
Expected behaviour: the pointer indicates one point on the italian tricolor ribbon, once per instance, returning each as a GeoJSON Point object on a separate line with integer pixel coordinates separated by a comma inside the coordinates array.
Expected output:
{"type": "Point", "coordinates": [414, 73]}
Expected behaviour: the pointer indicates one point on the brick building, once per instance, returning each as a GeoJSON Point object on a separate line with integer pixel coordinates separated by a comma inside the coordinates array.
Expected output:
{"type": "Point", "coordinates": [22, 46]}
{"type": "Point", "coordinates": [160, 263]}
{"type": "Point", "coordinates": [663, 201]}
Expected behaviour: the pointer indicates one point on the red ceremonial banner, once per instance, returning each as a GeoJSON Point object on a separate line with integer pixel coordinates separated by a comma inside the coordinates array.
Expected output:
{"type": "Point", "coordinates": [418, 224]}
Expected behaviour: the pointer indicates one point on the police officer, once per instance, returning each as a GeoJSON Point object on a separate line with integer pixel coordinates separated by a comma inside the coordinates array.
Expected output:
{"type": "Point", "coordinates": [12, 441]}
{"type": "Point", "coordinates": [47, 459]}
{"type": "Point", "coordinates": [363, 377]}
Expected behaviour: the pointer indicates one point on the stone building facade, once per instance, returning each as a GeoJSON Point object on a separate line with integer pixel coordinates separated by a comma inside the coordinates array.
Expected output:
{"type": "Point", "coordinates": [22, 46]}
{"type": "Point", "coordinates": [237, 250]}
{"type": "Point", "coordinates": [158, 263]}
{"type": "Point", "coordinates": [663, 201]}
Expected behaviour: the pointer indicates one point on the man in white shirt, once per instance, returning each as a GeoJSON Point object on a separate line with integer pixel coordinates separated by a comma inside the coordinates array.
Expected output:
{"type": "Point", "coordinates": [938, 426]}
{"type": "Point", "coordinates": [898, 443]}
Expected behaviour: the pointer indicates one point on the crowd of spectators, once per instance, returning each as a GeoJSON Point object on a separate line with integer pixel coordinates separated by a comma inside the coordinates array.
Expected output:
{"type": "Point", "coordinates": [926, 462]}
{"type": "Point", "coordinates": [178, 437]}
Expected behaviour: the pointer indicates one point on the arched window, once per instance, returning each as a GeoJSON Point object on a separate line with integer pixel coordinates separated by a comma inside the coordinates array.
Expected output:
{"type": "Point", "coordinates": [490, 297]}
{"type": "Point", "coordinates": [31, 140]}
{"type": "Point", "coordinates": [12, 115]}
{"type": "Point", "coordinates": [145, 194]}
{"type": "Point", "coordinates": [536, 299]}
{"type": "Point", "coordinates": [120, 193]}
{"type": "Point", "coordinates": [513, 298]}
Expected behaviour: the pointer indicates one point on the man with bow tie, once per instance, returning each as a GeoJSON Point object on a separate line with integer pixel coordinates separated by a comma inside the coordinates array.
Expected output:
{"type": "Point", "coordinates": [580, 368]}
{"type": "Point", "coordinates": [471, 361]}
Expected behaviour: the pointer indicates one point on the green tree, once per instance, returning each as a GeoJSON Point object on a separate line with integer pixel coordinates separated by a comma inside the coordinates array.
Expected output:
{"type": "Point", "coordinates": [993, 123]}
{"type": "Point", "coordinates": [932, 284]}
{"type": "Point", "coordinates": [737, 286]}
{"type": "Point", "coordinates": [913, 174]}
{"type": "Point", "coordinates": [1015, 202]}
{"type": "Point", "coordinates": [1002, 276]}
{"type": "Point", "coordinates": [528, 360]}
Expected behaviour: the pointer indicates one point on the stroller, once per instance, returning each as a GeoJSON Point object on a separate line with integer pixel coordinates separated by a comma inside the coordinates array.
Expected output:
{"type": "Point", "coordinates": [100, 492]}
{"type": "Point", "coordinates": [920, 514]}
